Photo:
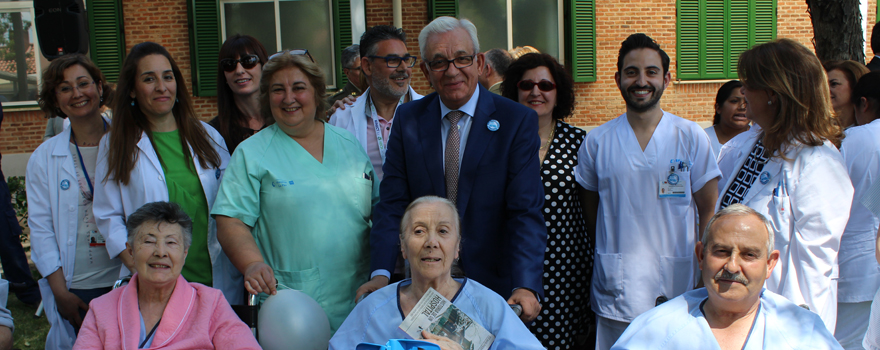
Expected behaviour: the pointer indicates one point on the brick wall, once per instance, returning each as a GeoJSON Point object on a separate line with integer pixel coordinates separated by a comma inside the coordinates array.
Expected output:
{"type": "Point", "coordinates": [164, 21]}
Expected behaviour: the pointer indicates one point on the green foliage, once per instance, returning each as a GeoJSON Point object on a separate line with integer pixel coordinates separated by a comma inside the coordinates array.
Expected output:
{"type": "Point", "coordinates": [7, 35]}
{"type": "Point", "coordinates": [19, 202]}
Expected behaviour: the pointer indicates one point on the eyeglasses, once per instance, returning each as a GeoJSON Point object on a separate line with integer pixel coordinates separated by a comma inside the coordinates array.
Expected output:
{"type": "Point", "coordinates": [396, 61]}
{"type": "Point", "coordinates": [294, 52]}
{"type": "Point", "coordinates": [67, 89]}
{"type": "Point", "coordinates": [247, 62]}
{"type": "Point", "coordinates": [543, 85]}
{"type": "Point", "coordinates": [459, 62]}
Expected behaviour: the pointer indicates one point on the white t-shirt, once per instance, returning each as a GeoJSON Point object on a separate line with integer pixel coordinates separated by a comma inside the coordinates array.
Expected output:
{"type": "Point", "coordinates": [92, 267]}
{"type": "Point", "coordinates": [646, 229]}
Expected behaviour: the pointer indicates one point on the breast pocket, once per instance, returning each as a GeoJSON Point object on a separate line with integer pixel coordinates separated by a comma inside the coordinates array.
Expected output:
{"type": "Point", "coordinates": [362, 195]}
{"type": "Point", "coordinates": [779, 213]}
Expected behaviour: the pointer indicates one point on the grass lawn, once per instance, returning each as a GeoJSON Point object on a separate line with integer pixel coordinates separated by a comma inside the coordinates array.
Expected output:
{"type": "Point", "coordinates": [30, 332]}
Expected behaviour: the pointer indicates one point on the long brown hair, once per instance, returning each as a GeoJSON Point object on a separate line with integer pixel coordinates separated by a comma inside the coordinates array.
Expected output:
{"type": "Point", "coordinates": [129, 121]}
{"type": "Point", "coordinates": [228, 113]}
{"type": "Point", "coordinates": [798, 79]}
{"type": "Point", "coordinates": [54, 75]}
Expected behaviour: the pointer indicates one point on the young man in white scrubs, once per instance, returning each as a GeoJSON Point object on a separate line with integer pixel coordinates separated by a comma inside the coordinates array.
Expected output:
{"type": "Point", "coordinates": [650, 178]}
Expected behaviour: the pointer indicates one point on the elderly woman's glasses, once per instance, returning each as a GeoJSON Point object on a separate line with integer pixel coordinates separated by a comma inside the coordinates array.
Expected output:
{"type": "Point", "coordinates": [395, 61]}
{"type": "Point", "coordinates": [247, 62]}
{"type": "Point", "coordinates": [543, 85]}
{"type": "Point", "coordinates": [294, 52]}
{"type": "Point", "coordinates": [442, 64]}
{"type": "Point", "coordinates": [67, 89]}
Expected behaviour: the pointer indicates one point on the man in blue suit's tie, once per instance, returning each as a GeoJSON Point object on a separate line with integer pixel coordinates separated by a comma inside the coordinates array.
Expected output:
{"type": "Point", "coordinates": [479, 150]}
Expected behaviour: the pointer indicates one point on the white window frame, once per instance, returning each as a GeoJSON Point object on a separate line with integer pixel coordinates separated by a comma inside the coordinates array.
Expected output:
{"type": "Point", "coordinates": [331, 76]}
{"type": "Point", "coordinates": [27, 6]}
{"type": "Point", "coordinates": [560, 28]}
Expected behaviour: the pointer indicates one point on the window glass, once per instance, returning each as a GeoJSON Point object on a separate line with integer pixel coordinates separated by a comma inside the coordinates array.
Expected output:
{"type": "Point", "coordinates": [490, 18]}
{"type": "Point", "coordinates": [542, 31]}
{"type": "Point", "coordinates": [305, 24]}
{"type": "Point", "coordinates": [256, 19]}
{"type": "Point", "coordinates": [19, 57]}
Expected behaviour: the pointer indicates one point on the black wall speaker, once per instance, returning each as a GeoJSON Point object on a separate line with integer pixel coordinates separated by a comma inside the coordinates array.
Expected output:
{"type": "Point", "coordinates": [61, 27]}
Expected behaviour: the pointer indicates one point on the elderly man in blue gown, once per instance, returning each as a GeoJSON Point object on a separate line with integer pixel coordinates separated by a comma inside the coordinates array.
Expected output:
{"type": "Point", "coordinates": [733, 311]}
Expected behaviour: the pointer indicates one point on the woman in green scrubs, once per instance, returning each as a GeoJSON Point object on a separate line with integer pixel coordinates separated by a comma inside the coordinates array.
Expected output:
{"type": "Point", "coordinates": [295, 203]}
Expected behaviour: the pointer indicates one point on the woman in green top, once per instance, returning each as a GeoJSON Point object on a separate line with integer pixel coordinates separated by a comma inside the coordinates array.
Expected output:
{"type": "Point", "coordinates": [294, 209]}
{"type": "Point", "coordinates": [158, 151]}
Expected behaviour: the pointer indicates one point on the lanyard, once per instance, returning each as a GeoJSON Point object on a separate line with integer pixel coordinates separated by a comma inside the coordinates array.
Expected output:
{"type": "Point", "coordinates": [369, 112]}
{"type": "Point", "coordinates": [150, 335]}
{"type": "Point", "coordinates": [83, 164]}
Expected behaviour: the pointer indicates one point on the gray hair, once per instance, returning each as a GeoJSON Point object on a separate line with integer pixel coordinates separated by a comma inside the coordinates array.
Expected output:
{"type": "Point", "coordinates": [445, 24]}
{"type": "Point", "coordinates": [739, 210]}
{"type": "Point", "coordinates": [499, 59]}
{"type": "Point", "coordinates": [350, 55]}
{"type": "Point", "coordinates": [158, 212]}
{"type": "Point", "coordinates": [404, 222]}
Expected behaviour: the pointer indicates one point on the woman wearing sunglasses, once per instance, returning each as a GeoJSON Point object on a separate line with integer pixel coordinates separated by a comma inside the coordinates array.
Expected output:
{"type": "Point", "coordinates": [539, 82]}
{"type": "Point", "coordinates": [242, 58]}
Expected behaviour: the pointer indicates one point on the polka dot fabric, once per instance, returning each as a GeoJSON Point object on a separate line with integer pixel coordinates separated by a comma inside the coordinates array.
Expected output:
{"type": "Point", "coordinates": [568, 260]}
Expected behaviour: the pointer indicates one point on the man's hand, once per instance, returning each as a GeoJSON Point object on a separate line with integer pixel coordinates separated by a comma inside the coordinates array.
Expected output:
{"type": "Point", "coordinates": [444, 342]}
{"type": "Point", "coordinates": [531, 306]}
{"type": "Point", "coordinates": [340, 104]}
{"type": "Point", "coordinates": [259, 278]}
{"type": "Point", "coordinates": [371, 286]}
{"type": "Point", "coordinates": [68, 305]}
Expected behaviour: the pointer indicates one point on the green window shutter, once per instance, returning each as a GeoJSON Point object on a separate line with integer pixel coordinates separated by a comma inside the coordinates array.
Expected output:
{"type": "Point", "coordinates": [762, 25]}
{"type": "Point", "coordinates": [689, 44]}
{"type": "Point", "coordinates": [204, 48]}
{"type": "Point", "coordinates": [342, 35]}
{"type": "Point", "coordinates": [713, 60]}
{"type": "Point", "coordinates": [107, 39]}
{"type": "Point", "coordinates": [437, 8]}
{"type": "Point", "coordinates": [738, 40]}
{"type": "Point", "coordinates": [582, 50]}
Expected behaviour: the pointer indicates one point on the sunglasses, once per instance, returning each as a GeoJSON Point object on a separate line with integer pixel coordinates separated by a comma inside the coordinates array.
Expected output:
{"type": "Point", "coordinates": [247, 62]}
{"type": "Point", "coordinates": [543, 85]}
{"type": "Point", "coordinates": [294, 52]}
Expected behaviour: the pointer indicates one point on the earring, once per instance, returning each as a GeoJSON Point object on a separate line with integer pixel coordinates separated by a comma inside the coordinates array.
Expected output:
{"type": "Point", "coordinates": [132, 103]}
{"type": "Point", "coordinates": [769, 103]}
{"type": "Point", "coordinates": [102, 100]}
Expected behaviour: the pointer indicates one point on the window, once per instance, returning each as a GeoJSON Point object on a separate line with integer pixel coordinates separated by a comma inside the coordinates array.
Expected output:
{"type": "Point", "coordinates": [20, 57]}
{"type": "Point", "coordinates": [540, 24]}
{"type": "Point", "coordinates": [713, 33]}
{"type": "Point", "coordinates": [324, 27]}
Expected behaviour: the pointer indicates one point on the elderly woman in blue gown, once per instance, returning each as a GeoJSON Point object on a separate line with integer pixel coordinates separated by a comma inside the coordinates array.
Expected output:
{"type": "Point", "coordinates": [430, 237]}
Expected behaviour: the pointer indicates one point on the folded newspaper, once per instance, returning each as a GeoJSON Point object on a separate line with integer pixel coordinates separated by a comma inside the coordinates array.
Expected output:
{"type": "Point", "coordinates": [437, 315]}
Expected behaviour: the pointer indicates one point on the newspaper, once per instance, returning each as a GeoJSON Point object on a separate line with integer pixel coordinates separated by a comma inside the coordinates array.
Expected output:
{"type": "Point", "coordinates": [440, 317]}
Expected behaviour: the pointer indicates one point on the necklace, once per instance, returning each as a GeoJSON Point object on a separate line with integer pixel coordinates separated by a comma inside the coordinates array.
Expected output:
{"type": "Point", "coordinates": [547, 144]}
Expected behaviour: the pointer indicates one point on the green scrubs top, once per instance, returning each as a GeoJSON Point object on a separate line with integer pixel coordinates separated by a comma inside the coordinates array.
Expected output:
{"type": "Point", "coordinates": [185, 189]}
{"type": "Point", "coordinates": [311, 220]}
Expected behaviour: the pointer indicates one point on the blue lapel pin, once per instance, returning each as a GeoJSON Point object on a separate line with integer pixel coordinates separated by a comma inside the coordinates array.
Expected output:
{"type": "Point", "coordinates": [493, 125]}
{"type": "Point", "coordinates": [65, 184]}
{"type": "Point", "coordinates": [765, 178]}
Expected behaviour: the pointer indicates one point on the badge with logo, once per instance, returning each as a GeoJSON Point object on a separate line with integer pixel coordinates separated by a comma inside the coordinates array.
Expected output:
{"type": "Point", "coordinates": [765, 178]}
{"type": "Point", "coordinates": [493, 125]}
{"type": "Point", "coordinates": [65, 184]}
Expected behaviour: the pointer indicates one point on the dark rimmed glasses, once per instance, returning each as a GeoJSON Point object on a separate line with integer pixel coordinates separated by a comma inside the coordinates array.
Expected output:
{"type": "Point", "coordinates": [294, 52]}
{"type": "Point", "coordinates": [247, 62]}
{"type": "Point", "coordinates": [543, 85]}
{"type": "Point", "coordinates": [460, 62]}
{"type": "Point", "coordinates": [396, 61]}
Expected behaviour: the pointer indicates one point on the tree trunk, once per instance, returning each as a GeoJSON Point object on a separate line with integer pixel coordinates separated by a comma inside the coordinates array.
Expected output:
{"type": "Point", "coordinates": [837, 29]}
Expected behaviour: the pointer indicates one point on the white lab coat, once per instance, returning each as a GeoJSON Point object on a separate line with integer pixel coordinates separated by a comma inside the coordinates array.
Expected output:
{"type": "Point", "coordinates": [352, 117]}
{"type": "Point", "coordinates": [114, 202]}
{"type": "Point", "coordinates": [53, 212]}
{"type": "Point", "coordinates": [644, 243]}
{"type": "Point", "coordinates": [808, 217]}
{"type": "Point", "coordinates": [859, 272]}
{"type": "Point", "coordinates": [680, 324]}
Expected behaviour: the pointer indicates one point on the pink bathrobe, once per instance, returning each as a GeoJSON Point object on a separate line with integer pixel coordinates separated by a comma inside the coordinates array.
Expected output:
{"type": "Point", "coordinates": [196, 317]}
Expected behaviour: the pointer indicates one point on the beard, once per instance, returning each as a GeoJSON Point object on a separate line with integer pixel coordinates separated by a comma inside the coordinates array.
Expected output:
{"type": "Point", "coordinates": [641, 106]}
{"type": "Point", "coordinates": [387, 86]}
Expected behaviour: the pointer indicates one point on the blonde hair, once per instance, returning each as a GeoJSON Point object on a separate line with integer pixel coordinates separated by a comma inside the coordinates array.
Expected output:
{"type": "Point", "coordinates": [520, 51]}
{"type": "Point", "coordinates": [286, 60]}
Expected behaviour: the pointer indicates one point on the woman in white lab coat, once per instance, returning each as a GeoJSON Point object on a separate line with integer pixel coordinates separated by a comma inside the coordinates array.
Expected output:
{"type": "Point", "coordinates": [65, 244]}
{"type": "Point", "coordinates": [859, 272]}
{"type": "Point", "coordinates": [791, 171]}
{"type": "Point", "coordinates": [158, 151]}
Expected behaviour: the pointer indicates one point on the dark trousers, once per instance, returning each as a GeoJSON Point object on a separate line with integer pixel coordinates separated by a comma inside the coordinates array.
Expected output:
{"type": "Point", "coordinates": [15, 265]}
{"type": "Point", "coordinates": [87, 295]}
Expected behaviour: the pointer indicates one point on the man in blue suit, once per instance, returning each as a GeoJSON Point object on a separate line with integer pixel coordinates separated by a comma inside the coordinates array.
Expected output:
{"type": "Point", "coordinates": [477, 149]}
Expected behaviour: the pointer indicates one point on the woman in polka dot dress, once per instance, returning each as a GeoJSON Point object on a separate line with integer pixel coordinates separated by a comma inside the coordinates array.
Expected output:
{"type": "Point", "coordinates": [541, 83]}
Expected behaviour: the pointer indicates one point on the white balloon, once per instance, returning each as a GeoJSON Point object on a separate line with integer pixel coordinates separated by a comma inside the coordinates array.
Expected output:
{"type": "Point", "coordinates": [291, 319]}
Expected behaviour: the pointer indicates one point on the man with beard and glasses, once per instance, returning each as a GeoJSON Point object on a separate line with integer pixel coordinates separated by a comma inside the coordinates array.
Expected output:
{"type": "Point", "coordinates": [650, 177]}
{"type": "Point", "coordinates": [734, 311]}
{"type": "Point", "coordinates": [387, 65]}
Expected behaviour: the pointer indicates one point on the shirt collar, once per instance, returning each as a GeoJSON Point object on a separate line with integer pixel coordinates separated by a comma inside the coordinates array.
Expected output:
{"type": "Point", "coordinates": [469, 108]}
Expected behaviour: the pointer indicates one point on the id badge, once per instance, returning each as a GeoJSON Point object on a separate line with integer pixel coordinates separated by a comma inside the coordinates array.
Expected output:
{"type": "Point", "coordinates": [674, 182]}
{"type": "Point", "coordinates": [96, 239]}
